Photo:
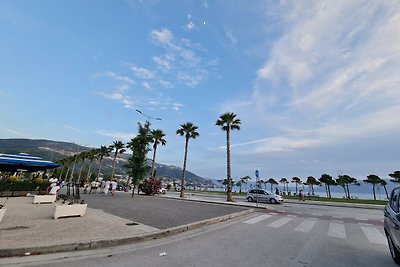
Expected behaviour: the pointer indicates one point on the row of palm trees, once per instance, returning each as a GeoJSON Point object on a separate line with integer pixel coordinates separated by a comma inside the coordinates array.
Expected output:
{"type": "Point", "coordinates": [343, 180]}
{"type": "Point", "coordinates": [227, 121]}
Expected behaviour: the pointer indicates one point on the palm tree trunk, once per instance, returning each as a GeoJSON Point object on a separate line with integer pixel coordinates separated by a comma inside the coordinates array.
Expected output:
{"type": "Point", "coordinates": [228, 168]}
{"type": "Point", "coordinates": [154, 160]}
{"type": "Point", "coordinates": [73, 169]}
{"type": "Point", "coordinates": [183, 181]}
{"type": "Point", "coordinates": [113, 168]}
{"type": "Point", "coordinates": [100, 165]}
{"type": "Point", "coordinates": [348, 191]}
{"type": "Point", "coordinates": [80, 172]}
{"type": "Point", "coordinates": [329, 191]}
{"type": "Point", "coordinates": [68, 169]}
{"type": "Point", "coordinates": [296, 188]}
{"type": "Point", "coordinates": [90, 167]}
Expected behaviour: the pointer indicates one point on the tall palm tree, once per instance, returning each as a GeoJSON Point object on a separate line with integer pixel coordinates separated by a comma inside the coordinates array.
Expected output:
{"type": "Point", "coordinates": [82, 156]}
{"type": "Point", "coordinates": [311, 181]}
{"type": "Point", "coordinates": [189, 130]}
{"type": "Point", "coordinates": [119, 148]}
{"type": "Point", "coordinates": [73, 167]}
{"type": "Point", "coordinates": [103, 151]}
{"type": "Point", "coordinates": [157, 137]}
{"type": "Point", "coordinates": [271, 181]}
{"type": "Point", "coordinates": [228, 122]}
{"type": "Point", "coordinates": [92, 155]}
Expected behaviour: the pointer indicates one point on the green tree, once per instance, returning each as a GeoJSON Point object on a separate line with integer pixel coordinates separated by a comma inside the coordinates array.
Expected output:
{"type": "Point", "coordinates": [103, 151]}
{"type": "Point", "coordinates": [140, 146]}
{"type": "Point", "coordinates": [188, 130]}
{"type": "Point", "coordinates": [327, 180]}
{"type": "Point", "coordinates": [285, 182]}
{"type": "Point", "coordinates": [157, 138]}
{"type": "Point", "coordinates": [81, 157]}
{"type": "Point", "coordinates": [396, 177]}
{"type": "Point", "coordinates": [228, 122]}
{"type": "Point", "coordinates": [271, 181]}
{"type": "Point", "coordinates": [345, 181]}
{"type": "Point", "coordinates": [311, 181]}
{"type": "Point", "coordinates": [384, 183]}
{"type": "Point", "coordinates": [119, 147]}
{"type": "Point", "coordinates": [374, 180]}
{"type": "Point", "coordinates": [73, 167]}
{"type": "Point", "coordinates": [297, 181]}
{"type": "Point", "coordinates": [244, 181]}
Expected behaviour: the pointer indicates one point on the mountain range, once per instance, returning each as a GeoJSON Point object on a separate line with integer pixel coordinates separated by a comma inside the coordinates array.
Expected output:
{"type": "Point", "coordinates": [56, 150]}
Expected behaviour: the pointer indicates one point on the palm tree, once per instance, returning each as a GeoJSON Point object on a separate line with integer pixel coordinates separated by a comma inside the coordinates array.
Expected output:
{"type": "Point", "coordinates": [104, 151]}
{"type": "Point", "coordinates": [92, 155]}
{"type": "Point", "coordinates": [82, 156]}
{"type": "Point", "coordinates": [244, 181]}
{"type": "Point", "coordinates": [384, 183]}
{"type": "Point", "coordinates": [119, 147]}
{"type": "Point", "coordinates": [189, 131]}
{"type": "Point", "coordinates": [157, 137]}
{"type": "Point", "coordinates": [297, 181]}
{"type": "Point", "coordinates": [328, 181]}
{"type": "Point", "coordinates": [228, 122]}
{"type": "Point", "coordinates": [73, 167]}
{"type": "Point", "coordinates": [374, 180]}
{"type": "Point", "coordinates": [396, 176]}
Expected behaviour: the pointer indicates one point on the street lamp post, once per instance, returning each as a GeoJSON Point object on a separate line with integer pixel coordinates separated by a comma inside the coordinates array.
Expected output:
{"type": "Point", "coordinates": [148, 116]}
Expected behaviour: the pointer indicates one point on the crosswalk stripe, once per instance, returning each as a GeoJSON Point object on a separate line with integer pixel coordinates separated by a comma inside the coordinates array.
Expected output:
{"type": "Point", "coordinates": [373, 235]}
{"type": "Point", "coordinates": [336, 229]}
{"type": "Point", "coordinates": [306, 226]}
{"type": "Point", "coordinates": [257, 219]}
{"type": "Point", "coordinates": [280, 222]}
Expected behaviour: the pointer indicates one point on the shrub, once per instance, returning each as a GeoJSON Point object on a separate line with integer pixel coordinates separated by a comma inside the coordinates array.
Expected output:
{"type": "Point", "coordinates": [150, 186]}
{"type": "Point", "coordinates": [39, 180]}
{"type": "Point", "coordinates": [12, 179]}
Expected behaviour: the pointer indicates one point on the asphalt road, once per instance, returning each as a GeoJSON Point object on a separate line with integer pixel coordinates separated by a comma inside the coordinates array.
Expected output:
{"type": "Point", "coordinates": [155, 211]}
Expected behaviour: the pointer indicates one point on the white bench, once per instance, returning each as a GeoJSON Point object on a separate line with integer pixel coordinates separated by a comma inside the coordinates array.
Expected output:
{"type": "Point", "coordinates": [69, 210]}
{"type": "Point", "coordinates": [43, 199]}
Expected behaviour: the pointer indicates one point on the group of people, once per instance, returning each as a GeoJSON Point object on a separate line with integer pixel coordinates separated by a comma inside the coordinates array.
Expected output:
{"type": "Point", "coordinates": [105, 186]}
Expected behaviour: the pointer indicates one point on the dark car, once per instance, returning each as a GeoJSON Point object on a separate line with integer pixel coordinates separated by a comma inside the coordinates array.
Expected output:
{"type": "Point", "coordinates": [392, 224]}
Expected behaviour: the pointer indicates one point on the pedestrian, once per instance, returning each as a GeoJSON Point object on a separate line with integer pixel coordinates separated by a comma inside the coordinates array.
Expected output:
{"type": "Point", "coordinates": [106, 187]}
{"type": "Point", "coordinates": [301, 195]}
{"type": "Point", "coordinates": [93, 187]}
{"type": "Point", "coordinates": [113, 187]}
{"type": "Point", "coordinates": [54, 190]}
{"type": "Point", "coordinates": [103, 183]}
{"type": "Point", "coordinates": [277, 191]}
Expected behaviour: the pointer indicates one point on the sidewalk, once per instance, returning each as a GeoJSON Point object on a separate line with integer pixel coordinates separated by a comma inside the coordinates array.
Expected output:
{"type": "Point", "coordinates": [28, 229]}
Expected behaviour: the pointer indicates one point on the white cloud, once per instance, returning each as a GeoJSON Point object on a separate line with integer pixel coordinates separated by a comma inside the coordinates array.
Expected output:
{"type": "Point", "coordinates": [69, 127]}
{"type": "Point", "coordinates": [190, 26]}
{"type": "Point", "coordinates": [116, 135]}
{"type": "Point", "coordinates": [331, 78]}
{"type": "Point", "coordinates": [146, 85]}
{"type": "Point", "coordinates": [142, 72]}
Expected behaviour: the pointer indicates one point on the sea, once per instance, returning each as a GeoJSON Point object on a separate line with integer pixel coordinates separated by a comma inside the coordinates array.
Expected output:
{"type": "Point", "coordinates": [362, 191]}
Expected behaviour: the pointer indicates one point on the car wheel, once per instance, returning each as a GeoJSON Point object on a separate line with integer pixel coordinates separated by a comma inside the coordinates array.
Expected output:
{"type": "Point", "coordinates": [393, 250]}
{"type": "Point", "coordinates": [250, 199]}
{"type": "Point", "coordinates": [273, 201]}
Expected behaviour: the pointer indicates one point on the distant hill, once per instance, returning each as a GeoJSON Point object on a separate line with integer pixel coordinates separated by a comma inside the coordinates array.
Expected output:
{"type": "Point", "coordinates": [56, 150]}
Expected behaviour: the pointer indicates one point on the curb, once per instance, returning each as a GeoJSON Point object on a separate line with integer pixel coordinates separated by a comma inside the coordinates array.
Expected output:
{"type": "Point", "coordinates": [316, 203]}
{"type": "Point", "coordinates": [97, 244]}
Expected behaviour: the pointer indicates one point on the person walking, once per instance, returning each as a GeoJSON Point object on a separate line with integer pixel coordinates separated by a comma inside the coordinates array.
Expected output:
{"type": "Point", "coordinates": [113, 187]}
{"type": "Point", "coordinates": [301, 195]}
{"type": "Point", "coordinates": [106, 187]}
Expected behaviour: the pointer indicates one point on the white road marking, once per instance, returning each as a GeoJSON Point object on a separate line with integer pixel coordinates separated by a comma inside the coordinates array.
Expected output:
{"type": "Point", "coordinates": [279, 223]}
{"type": "Point", "coordinates": [337, 230]}
{"type": "Point", "coordinates": [306, 226]}
{"type": "Point", "coordinates": [373, 235]}
{"type": "Point", "coordinates": [257, 219]}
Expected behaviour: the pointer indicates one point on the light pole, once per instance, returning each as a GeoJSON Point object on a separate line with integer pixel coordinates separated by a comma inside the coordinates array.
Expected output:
{"type": "Point", "coordinates": [148, 116]}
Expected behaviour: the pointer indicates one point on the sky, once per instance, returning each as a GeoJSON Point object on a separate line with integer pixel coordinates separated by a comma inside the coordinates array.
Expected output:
{"type": "Point", "coordinates": [314, 83]}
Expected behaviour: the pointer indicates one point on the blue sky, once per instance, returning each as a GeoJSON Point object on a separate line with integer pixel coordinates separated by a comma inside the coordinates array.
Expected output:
{"type": "Point", "coordinates": [315, 83]}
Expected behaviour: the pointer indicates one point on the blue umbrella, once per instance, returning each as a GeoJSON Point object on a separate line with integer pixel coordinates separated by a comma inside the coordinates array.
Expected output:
{"type": "Point", "coordinates": [23, 161]}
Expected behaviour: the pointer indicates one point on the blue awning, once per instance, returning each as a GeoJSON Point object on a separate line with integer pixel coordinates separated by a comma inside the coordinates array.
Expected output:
{"type": "Point", "coordinates": [23, 161]}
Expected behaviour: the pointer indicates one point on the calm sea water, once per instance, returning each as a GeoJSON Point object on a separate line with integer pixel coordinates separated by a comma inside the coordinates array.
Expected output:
{"type": "Point", "coordinates": [363, 191]}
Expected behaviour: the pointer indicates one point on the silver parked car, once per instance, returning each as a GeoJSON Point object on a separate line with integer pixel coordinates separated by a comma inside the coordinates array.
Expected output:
{"type": "Point", "coordinates": [262, 195]}
{"type": "Point", "coordinates": [392, 224]}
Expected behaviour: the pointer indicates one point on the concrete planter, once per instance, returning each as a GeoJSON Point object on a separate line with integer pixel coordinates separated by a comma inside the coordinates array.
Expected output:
{"type": "Point", "coordinates": [69, 210]}
{"type": "Point", "coordinates": [2, 211]}
{"type": "Point", "coordinates": [44, 199]}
